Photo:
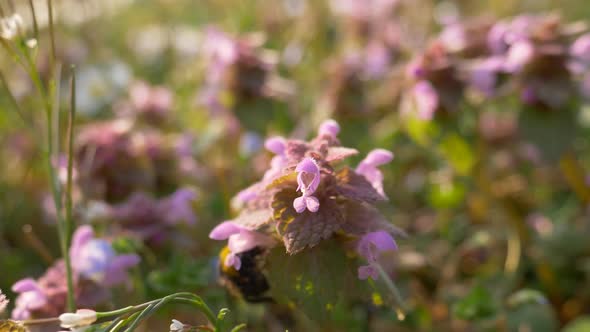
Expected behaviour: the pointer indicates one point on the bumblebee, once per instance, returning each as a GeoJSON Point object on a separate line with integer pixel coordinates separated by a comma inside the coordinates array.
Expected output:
{"type": "Point", "coordinates": [248, 281]}
{"type": "Point", "coordinates": [11, 326]}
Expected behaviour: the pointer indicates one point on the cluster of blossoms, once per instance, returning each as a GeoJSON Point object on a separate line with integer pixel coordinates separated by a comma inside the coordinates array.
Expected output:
{"type": "Point", "coordinates": [152, 104]}
{"type": "Point", "coordinates": [374, 45]}
{"type": "Point", "coordinates": [240, 67]}
{"type": "Point", "coordinates": [115, 159]}
{"type": "Point", "coordinates": [96, 267]}
{"type": "Point", "coordinates": [305, 198]}
{"type": "Point", "coordinates": [151, 220]}
{"type": "Point", "coordinates": [118, 162]}
{"type": "Point", "coordinates": [535, 56]}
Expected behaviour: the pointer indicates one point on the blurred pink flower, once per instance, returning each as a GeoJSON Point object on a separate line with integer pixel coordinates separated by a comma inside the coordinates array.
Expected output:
{"type": "Point", "coordinates": [240, 239]}
{"type": "Point", "coordinates": [96, 260]}
{"type": "Point", "coordinates": [308, 180]}
{"type": "Point", "coordinates": [426, 99]}
{"type": "Point", "coordinates": [369, 247]}
{"type": "Point", "coordinates": [368, 168]}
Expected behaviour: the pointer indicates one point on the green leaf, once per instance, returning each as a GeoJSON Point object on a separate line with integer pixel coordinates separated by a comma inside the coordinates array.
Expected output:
{"type": "Point", "coordinates": [532, 316]}
{"type": "Point", "coordinates": [446, 195]}
{"type": "Point", "coordinates": [581, 324]}
{"type": "Point", "coordinates": [306, 229]}
{"type": "Point", "coordinates": [526, 296]}
{"type": "Point", "coordinates": [314, 280]}
{"type": "Point", "coordinates": [458, 153]}
{"type": "Point", "coordinates": [478, 304]}
{"type": "Point", "coordinates": [552, 131]}
{"type": "Point", "coordinates": [421, 131]}
{"type": "Point", "coordinates": [356, 187]}
{"type": "Point", "coordinates": [289, 179]}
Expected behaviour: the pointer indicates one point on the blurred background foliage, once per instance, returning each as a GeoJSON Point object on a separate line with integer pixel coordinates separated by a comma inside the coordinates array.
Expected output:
{"type": "Point", "coordinates": [495, 241]}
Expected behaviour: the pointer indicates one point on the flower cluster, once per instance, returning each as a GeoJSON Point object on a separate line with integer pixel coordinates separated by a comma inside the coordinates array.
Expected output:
{"type": "Point", "coordinates": [152, 219]}
{"type": "Point", "coordinates": [115, 159]}
{"type": "Point", "coordinates": [241, 67]}
{"type": "Point", "coordinates": [305, 198]}
{"type": "Point", "coordinates": [535, 56]}
{"type": "Point", "coordinates": [152, 104]}
{"type": "Point", "coordinates": [96, 267]}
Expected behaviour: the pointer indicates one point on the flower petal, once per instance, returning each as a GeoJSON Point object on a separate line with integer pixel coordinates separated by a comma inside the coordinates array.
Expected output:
{"type": "Point", "coordinates": [299, 204]}
{"type": "Point", "coordinates": [367, 271]}
{"type": "Point", "coordinates": [276, 145]}
{"type": "Point", "coordinates": [25, 285]}
{"type": "Point", "coordinates": [312, 203]}
{"type": "Point", "coordinates": [224, 230]}
{"type": "Point", "coordinates": [329, 128]}
{"type": "Point", "coordinates": [80, 238]}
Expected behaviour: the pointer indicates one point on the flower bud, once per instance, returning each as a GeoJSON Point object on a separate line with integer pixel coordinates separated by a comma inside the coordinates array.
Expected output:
{"type": "Point", "coordinates": [82, 317]}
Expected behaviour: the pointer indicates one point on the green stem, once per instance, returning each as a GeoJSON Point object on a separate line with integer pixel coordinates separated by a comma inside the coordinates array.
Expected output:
{"type": "Point", "coordinates": [71, 120]}
{"type": "Point", "coordinates": [123, 322]}
{"type": "Point", "coordinates": [401, 309]}
{"type": "Point", "coordinates": [512, 251]}
{"type": "Point", "coordinates": [34, 16]}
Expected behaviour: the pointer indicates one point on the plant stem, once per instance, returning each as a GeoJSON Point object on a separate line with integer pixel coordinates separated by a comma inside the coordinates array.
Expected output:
{"type": "Point", "coordinates": [34, 16]}
{"type": "Point", "coordinates": [401, 309]}
{"type": "Point", "coordinates": [71, 123]}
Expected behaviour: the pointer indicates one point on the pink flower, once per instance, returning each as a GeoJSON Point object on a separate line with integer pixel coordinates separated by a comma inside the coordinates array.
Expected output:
{"type": "Point", "coordinates": [178, 207]}
{"type": "Point", "coordinates": [153, 102]}
{"type": "Point", "coordinates": [580, 49]}
{"type": "Point", "coordinates": [309, 202]}
{"type": "Point", "coordinates": [519, 55]}
{"type": "Point", "coordinates": [95, 259]}
{"type": "Point", "coordinates": [31, 298]}
{"type": "Point", "coordinates": [368, 168]}
{"type": "Point", "coordinates": [369, 247]}
{"type": "Point", "coordinates": [308, 180]}
{"type": "Point", "coordinates": [308, 177]}
{"type": "Point", "coordinates": [240, 239]}
{"type": "Point", "coordinates": [426, 99]}
{"type": "Point", "coordinates": [276, 145]}
{"type": "Point", "coordinates": [329, 128]}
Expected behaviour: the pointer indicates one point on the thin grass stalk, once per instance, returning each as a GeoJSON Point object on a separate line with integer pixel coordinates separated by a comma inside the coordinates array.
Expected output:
{"type": "Point", "coordinates": [34, 16]}
{"type": "Point", "coordinates": [401, 307]}
{"type": "Point", "coordinates": [51, 29]}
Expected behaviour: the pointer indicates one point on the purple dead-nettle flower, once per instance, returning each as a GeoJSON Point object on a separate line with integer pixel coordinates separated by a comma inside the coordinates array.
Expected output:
{"type": "Point", "coordinates": [426, 99]}
{"type": "Point", "coordinates": [519, 55]}
{"type": "Point", "coordinates": [330, 128]}
{"type": "Point", "coordinates": [178, 207]}
{"type": "Point", "coordinates": [276, 145]}
{"type": "Point", "coordinates": [311, 197]}
{"type": "Point", "coordinates": [3, 302]}
{"type": "Point", "coordinates": [240, 239]}
{"type": "Point", "coordinates": [369, 247]}
{"type": "Point", "coordinates": [95, 266]}
{"type": "Point", "coordinates": [154, 220]}
{"type": "Point", "coordinates": [96, 260]}
{"type": "Point", "coordinates": [369, 168]}
{"type": "Point", "coordinates": [483, 74]}
{"type": "Point", "coordinates": [437, 86]}
{"type": "Point", "coordinates": [150, 102]}
{"type": "Point", "coordinates": [31, 298]}
{"type": "Point", "coordinates": [46, 296]}
{"type": "Point", "coordinates": [377, 58]}
{"type": "Point", "coordinates": [308, 180]}
{"type": "Point", "coordinates": [580, 49]}
{"type": "Point", "coordinates": [539, 57]}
